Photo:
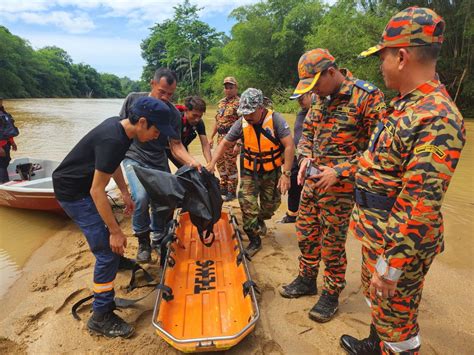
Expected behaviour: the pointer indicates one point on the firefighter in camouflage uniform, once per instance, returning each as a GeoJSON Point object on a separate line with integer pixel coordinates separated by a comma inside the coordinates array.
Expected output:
{"type": "Point", "coordinates": [401, 181]}
{"type": "Point", "coordinates": [336, 131]}
{"type": "Point", "coordinates": [267, 147]}
{"type": "Point", "coordinates": [225, 118]}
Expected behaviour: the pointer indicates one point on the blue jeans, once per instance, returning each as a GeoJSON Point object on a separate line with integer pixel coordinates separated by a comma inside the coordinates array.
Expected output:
{"type": "Point", "coordinates": [144, 221]}
{"type": "Point", "coordinates": [84, 213]}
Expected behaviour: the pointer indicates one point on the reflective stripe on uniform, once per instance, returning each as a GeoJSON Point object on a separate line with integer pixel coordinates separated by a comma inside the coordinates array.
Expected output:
{"type": "Point", "coordinates": [105, 287]}
{"type": "Point", "coordinates": [405, 345]}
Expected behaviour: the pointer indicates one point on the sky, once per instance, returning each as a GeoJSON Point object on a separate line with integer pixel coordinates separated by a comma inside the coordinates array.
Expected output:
{"type": "Point", "coordinates": [105, 34]}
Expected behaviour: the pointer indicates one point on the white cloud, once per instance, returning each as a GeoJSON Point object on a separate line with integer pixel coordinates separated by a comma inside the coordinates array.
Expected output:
{"type": "Point", "coordinates": [76, 16]}
{"type": "Point", "coordinates": [70, 22]}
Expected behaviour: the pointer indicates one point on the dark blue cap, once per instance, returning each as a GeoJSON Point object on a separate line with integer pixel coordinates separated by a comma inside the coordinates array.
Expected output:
{"type": "Point", "coordinates": [157, 112]}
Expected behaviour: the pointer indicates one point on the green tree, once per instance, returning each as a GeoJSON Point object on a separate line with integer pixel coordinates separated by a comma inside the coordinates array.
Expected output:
{"type": "Point", "coordinates": [182, 44]}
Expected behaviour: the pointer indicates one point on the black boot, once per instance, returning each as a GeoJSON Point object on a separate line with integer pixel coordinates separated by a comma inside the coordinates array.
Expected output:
{"type": "Point", "coordinates": [326, 307]}
{"type": "Point", "coordinates": [367, 346]}
{"type": "Point", "coordinates": [254, 246]}
{"type": "Point", "coordinates": [301, 286]}
{"type": "Point", "coordinates": [262, 227]}
{"type": "Point", "coordinates": [144, 247]}
{"type": "Point", "coordinates": [110, 325]}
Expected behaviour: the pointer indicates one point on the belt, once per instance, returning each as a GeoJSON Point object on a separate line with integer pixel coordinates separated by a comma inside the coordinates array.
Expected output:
{"type": "Point", "coordinates": [371, 200]}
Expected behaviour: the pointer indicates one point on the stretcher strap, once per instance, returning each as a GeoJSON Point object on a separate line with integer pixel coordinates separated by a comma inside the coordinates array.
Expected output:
{"type": "Point", "coordinates": [248, 285]}
{"type": "Point", "coordinates": [166, 291]}
{"type": "Point", "coordinates": [243, 254]}
{"type": "Point", "coordinates": [208, 239]}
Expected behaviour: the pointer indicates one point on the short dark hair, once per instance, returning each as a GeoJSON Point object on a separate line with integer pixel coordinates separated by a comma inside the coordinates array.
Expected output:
{"type": "Point", "coordinates": [134, 118]}
{"type": "Point", "coordinates": [195, 103]}
{"type": "Point", "coordinates": [165, 73]}
{"type": "Point", "coordinates": [427, 53]}
{"type": "Point", "coordinates": [423, 54]}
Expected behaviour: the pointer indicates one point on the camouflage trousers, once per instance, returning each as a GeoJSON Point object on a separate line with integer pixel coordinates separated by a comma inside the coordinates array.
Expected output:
{"type": "Point", "coordinates": [227, 167]}
{"type": "Point", "coordinates": [253, 190]}
{"type": "Point", "coordinates": [395, 318]}
{"type": "Point", "coordinates": [321, 228]}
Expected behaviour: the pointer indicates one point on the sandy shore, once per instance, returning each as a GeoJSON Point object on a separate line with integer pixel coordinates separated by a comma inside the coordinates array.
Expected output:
{"type": "Point", "coordinates": [35, 314]}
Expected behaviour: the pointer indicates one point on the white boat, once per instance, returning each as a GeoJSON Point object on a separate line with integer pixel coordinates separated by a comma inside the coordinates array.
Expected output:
{"type": "Point", "coordinates": [31, 185]}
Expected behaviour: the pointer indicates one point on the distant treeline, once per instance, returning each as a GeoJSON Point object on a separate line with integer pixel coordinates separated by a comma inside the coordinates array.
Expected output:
{"type": "Point", "coordinates": [262, 51]}
{"type": "Point", "coordinates": [50, 72]}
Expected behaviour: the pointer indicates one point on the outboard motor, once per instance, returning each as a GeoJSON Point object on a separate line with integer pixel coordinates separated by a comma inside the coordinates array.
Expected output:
{"type": "Point", "coordinates": [25, 170]}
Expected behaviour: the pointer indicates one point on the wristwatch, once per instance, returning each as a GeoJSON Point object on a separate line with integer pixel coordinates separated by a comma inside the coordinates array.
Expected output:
{"type": "Point", "coordinates": [287, 173]}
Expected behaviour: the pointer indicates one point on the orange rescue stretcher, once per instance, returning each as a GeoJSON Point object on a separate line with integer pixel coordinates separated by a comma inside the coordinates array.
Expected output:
{"type": "Point", "coordinates": [206, 298]}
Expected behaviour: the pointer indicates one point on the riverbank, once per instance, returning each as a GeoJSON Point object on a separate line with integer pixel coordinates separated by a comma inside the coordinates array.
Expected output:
{"type": "Point", "coordinates": [35, 314]}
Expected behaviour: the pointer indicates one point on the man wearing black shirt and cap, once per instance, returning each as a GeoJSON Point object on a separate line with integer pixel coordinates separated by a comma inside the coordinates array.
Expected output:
{"type": "Point", "coordinates": [79, 184]}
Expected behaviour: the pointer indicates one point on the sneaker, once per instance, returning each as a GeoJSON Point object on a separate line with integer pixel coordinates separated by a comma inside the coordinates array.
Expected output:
{"type": "Point", "coordinates": [367, 346]}
{"type": "Point", "coordinates": [110, 325]}
{"type": "Point", "coordinates": [253, 248]}
{"type": "Point", "coordinates": [301, 286]}
{"type": "Point", "coordinates": [229, 197]}
{"type": "Point", "coordinates": [325, 309]}
{"type": "Point", "coordinates": [288, 219]}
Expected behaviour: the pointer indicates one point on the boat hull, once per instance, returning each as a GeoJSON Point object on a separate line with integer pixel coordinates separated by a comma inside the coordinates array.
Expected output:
{"type": "Point", "coordinates": [40, 201]}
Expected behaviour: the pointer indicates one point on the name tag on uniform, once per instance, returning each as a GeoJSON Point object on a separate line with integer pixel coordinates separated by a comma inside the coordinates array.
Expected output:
{"type": "Point", "coordinates": [429, 148]}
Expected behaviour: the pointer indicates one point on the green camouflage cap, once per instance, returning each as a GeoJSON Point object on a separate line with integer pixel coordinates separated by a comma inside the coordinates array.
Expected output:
{"type": "Point", "coordinates": [414, 26]}
{"type": "Point", "coordinates": [250, 100]}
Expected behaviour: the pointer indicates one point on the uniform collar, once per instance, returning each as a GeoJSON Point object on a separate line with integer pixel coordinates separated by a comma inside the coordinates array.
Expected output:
{"type": "Point", "coordinates": [347, 85]}
{"type": "Point", "coordinates": [399, 103]}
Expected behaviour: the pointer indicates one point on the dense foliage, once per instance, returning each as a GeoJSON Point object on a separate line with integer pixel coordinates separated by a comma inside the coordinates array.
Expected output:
{"type": "Point", "coordinates": [262, 51]}
{"type": "Point", "coordinates": [50, 72]}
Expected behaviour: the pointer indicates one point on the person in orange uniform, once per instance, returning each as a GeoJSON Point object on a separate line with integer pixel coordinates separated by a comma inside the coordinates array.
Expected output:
{"type": "Point", "coordinates": [225, 118]}
{"type": "Point", "coordinates": [401, 181]}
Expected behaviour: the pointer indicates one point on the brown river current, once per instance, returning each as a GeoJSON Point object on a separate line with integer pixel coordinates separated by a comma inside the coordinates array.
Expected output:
{"type": "Point", "coordinates": [49, 128]}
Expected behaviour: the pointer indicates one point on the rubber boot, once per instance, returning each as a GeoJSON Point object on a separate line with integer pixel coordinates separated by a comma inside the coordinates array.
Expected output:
{"type": "Point", "coordinates": [367, 346]}
{"type": "Point", "coordinates": [301, 286]}
{"type": "Point", "coordinates": [326, 307]}
{"type": "Point", "coordinates": [144, 247]}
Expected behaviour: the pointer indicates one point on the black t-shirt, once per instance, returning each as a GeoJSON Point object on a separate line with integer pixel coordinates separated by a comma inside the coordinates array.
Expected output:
{"type": "Point", "coordinates": [152, 153]}
{"type": "Point", "coordinates": [103, 148]}
{"type": "Point", "coordinates": [190, 132]}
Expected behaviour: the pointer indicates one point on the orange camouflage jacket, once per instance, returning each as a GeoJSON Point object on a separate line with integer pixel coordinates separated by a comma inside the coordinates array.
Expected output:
{"type": "Point", "coordinates": [336, 130]}
{"type": "Point", "coordinates": [227, 112]}
{"type": "Point", "coordinates": [412, 156]}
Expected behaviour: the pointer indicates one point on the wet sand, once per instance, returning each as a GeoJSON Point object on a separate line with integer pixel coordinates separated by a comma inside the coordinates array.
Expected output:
{"type": "Point", "coordinates": [35, 314]}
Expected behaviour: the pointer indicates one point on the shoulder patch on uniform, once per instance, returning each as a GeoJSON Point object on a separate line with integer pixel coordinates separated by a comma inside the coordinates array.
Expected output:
{"type": "Point", "coordinates": [430, 149]}
{"type": "Point", "coordinates": [365, 85]}
{"type": "Point", "coordinates": [381, 106]}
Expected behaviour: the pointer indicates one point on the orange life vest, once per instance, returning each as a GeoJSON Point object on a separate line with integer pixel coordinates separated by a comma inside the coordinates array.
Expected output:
{"type": "Point", "coordinates": [263, 152]}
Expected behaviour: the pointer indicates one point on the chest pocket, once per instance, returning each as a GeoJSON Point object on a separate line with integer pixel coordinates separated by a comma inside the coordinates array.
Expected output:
{"type": "Point", "coordinates": [345, 121]}
{"type": "Point", "coordinates": [384, 152]}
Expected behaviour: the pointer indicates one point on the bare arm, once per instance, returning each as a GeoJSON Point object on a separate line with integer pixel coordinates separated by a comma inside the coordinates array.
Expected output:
{"type": "Point", "coordinates": [221, 148]}
{"type": "Point", "coordinates": [118, 240]}
{"type": "Point", "coordinates": [289, 154]}
{"type": "Point", "coordinates": [182, 155]}
{"type": "Point", "coordinates": [214, 132]}
{"type": "Point", "coordinates": [206, 148]}
{"type": "Point", "coordinates": [127, 199]}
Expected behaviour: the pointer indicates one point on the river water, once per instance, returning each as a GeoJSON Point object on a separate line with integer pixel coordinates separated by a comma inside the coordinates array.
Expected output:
{"type": "Point", "coordinates": [49, 128]}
